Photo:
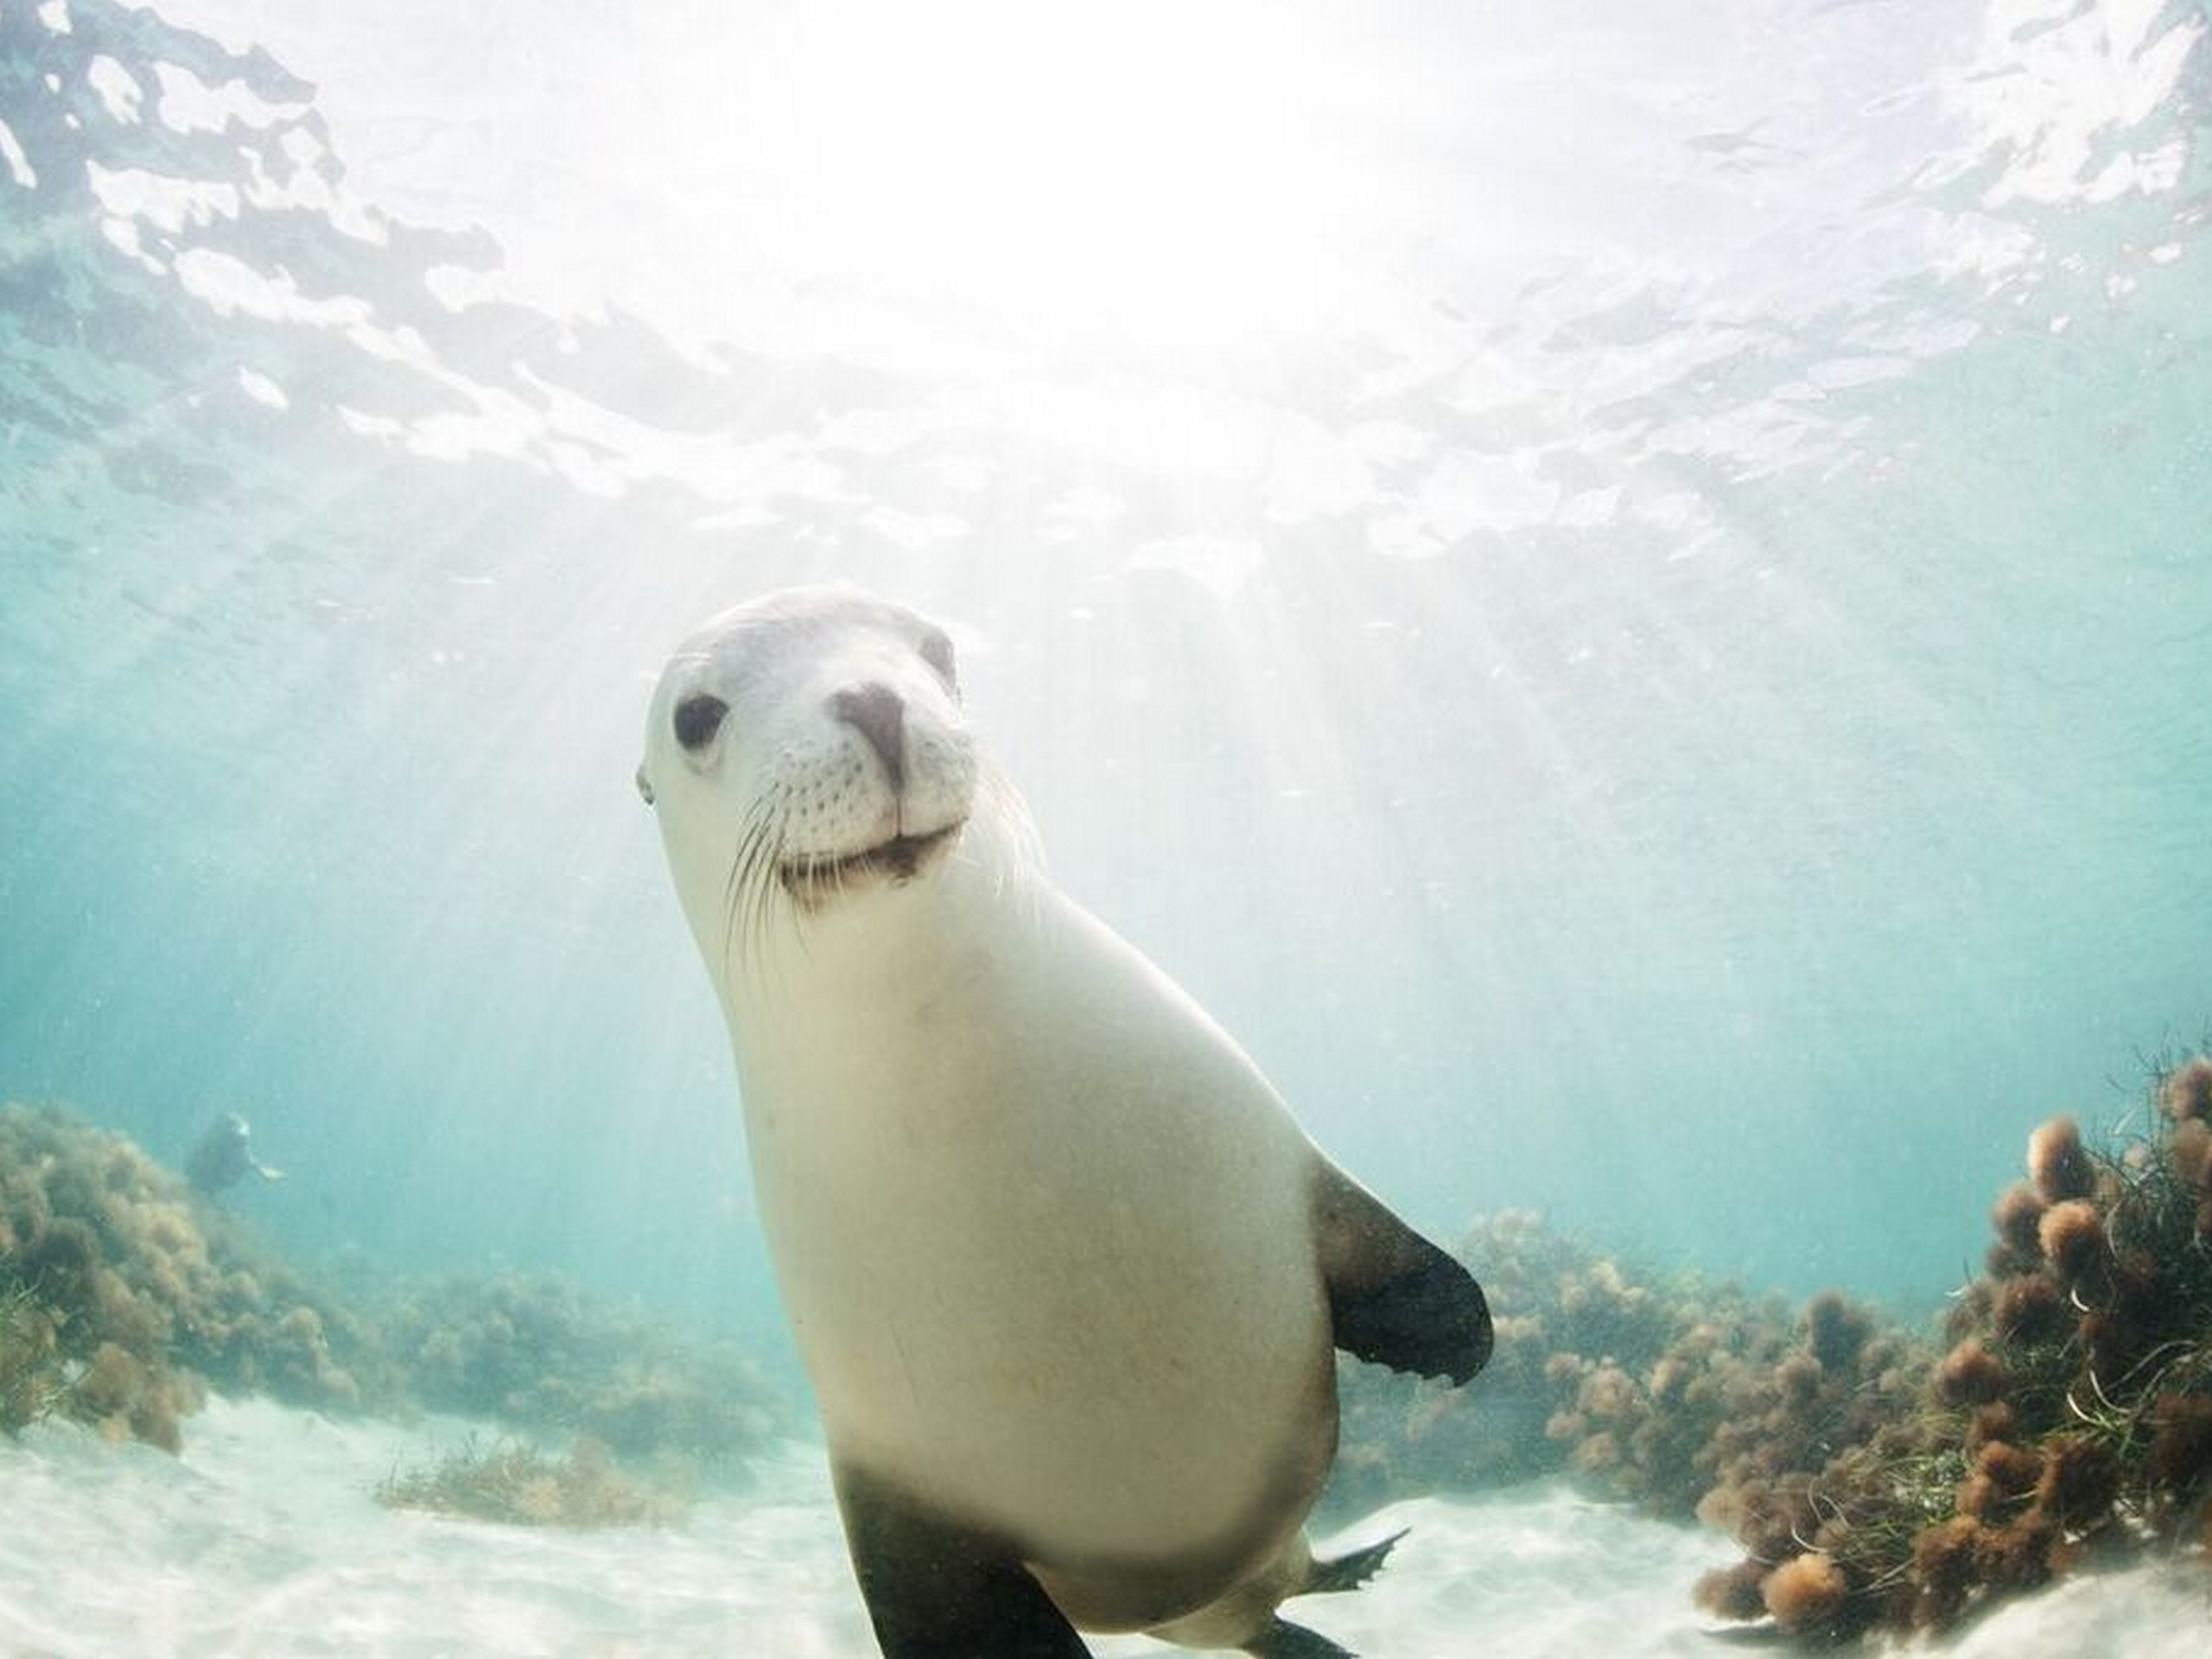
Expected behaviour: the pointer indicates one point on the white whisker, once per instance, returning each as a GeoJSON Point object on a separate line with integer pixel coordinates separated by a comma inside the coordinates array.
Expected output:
{"type": "Point", "coordinates": [746, 898]}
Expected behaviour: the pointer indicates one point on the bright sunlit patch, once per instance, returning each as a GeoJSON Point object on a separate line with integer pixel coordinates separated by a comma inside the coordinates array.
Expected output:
{"type": "Point", "coordinates": [190, 105]}
{"type": "Point", "coordinates": [912, 185]}
{"type": "Point", "coordinates": [19, 164]}
{"type": "Point", "coordinates": [2057, 88]}
{"type": "Point", "coordinates": [262, 390]}
{"type": "Point", "coordinates": [1155, 167]}
{"type": "Point", "coordinates": [1220, 563]}
{"type": "Point", "coordinates": [119, 89]}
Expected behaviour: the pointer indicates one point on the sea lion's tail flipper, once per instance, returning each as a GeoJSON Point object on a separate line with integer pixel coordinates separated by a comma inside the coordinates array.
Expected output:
{"type": "Point", "coordinates": [1349, 1571]}
{"type": "Point", "coordinates": [1283, 1640]}
{"type": "Point", "coordinates": [937, 1590]}
{"type": "Point", "coordinates": [1396, 1298]}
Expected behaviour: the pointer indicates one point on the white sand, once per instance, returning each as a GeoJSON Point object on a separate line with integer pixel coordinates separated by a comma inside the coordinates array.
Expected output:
{"type": "Point", "coordinates": [263, 1540]}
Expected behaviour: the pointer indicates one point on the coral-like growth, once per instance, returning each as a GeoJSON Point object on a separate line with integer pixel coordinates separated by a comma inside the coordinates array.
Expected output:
{"type": "Point", "coordinates": [2072, 1235]}
{"type": "Point", "coordinates": [1969, 1375]}
{"type": "Point", "coordinates": [1806, 1593]}
{"type": "Point", "coordinates": [2186, 1094]}
{"type": "Point", "coordinates": [124, 1296]}
{"type": "Point", "coordinates": [32, 1378]}
{"type": "Point", "coordinates": [519, 1486]}
{"type": "Point", "coordinates": [1573, 1336]}
{"type": "Point", "coordinates": [545, 1355]}
{"type": "Point", "coordinates": [2017, 1218]}
{"type": "Point", "coordinates": [121, 1295]}
{"type": "Point", "coordinates": [2057, 1163]}
{"type": "Point", "coordinates": [1735, 1592]}
{"type": "Point", "coordinates": [2076, 1402]}
{"type": "Point", "coordinates": [1874, 1480]}
{"type": "Point", "coordinates": [1685, 1395]}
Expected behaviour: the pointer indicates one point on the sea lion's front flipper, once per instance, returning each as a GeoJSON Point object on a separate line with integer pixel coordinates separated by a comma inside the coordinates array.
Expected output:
{"type": "Point", "coordinates": [1396, 1298]}
{"type": "Point", "coordinates": [936, 1590]}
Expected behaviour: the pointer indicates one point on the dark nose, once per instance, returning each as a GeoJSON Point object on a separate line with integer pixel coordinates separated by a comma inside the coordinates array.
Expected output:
{"type": "Point", "coordinates": [876, 714]}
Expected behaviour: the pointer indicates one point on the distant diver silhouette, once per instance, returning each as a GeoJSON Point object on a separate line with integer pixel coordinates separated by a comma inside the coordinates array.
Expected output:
{"type": "Point", "coordinates": [223, 1157]}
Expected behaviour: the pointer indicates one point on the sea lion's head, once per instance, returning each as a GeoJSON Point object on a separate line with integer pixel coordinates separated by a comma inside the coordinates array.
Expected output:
{"type": "Point", "coordinates": [807, 749]}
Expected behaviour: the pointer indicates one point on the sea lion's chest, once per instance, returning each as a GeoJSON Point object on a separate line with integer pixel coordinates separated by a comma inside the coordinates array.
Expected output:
{"type": "Point", "coordinates": [1043, 1230]}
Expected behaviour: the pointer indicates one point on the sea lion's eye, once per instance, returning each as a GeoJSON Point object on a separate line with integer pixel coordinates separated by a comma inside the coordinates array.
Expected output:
{"type": "Point", "coordinates": [937, 651]}
{"type": "Point", "coordinates": [698, 717]}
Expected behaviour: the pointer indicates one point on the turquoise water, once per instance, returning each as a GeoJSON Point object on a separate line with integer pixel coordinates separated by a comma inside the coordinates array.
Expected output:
{"type": "Point", "coordinates": [1627, 602]}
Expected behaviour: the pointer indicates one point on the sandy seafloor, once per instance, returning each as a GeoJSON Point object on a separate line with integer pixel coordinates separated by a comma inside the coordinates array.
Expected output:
{"type": "Point", "coordinates": [263, 1539]}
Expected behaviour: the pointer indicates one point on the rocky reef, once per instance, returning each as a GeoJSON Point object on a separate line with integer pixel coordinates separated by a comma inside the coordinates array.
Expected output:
{"type": "Point", "coordinates": [542, 1354]}
{"type": "Point", "coordinates": [2071, 1413]}
{"type": "Point", "coordinates": [125, 1296]}
{"type": "Point", "coordinates": [1876, 1477]}
{"type": "Point", "coordinates": [1567, 1318]}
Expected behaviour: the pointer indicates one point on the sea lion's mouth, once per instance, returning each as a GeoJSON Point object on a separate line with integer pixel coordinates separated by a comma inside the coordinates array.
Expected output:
{"type": "Point", "coordinates": [814, 877]}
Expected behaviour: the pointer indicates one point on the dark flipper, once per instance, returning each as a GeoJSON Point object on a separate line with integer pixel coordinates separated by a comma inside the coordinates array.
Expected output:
{"type": "Point", "coordinates": [936, 1590]}
{"type": "Point", "coordinates": [1396, 1298]}
{"type": "Point", "coordinates": [1348, 1572]}
{"type": "Point", "coordinates": [1283, 1640]}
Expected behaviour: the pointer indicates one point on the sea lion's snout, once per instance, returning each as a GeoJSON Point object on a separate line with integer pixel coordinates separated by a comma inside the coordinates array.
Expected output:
{"type": "Point", "coordinates": [878, 713]}
{"type": "Point", "coordinates": [896, 785]}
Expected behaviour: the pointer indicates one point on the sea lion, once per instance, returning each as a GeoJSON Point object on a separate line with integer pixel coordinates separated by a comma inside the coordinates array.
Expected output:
{"type": "Point", "coordinates": [1065, 1273]}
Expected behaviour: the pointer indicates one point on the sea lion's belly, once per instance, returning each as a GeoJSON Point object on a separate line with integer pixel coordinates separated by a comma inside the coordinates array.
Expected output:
{"type": "Point", "coordinates": [1063, 1283]}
